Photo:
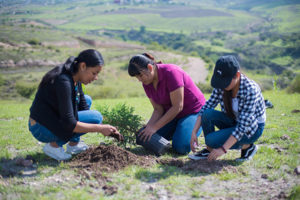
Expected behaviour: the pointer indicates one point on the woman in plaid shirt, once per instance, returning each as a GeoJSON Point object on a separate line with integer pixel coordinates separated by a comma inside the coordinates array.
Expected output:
{"type": "Point", "coordinates": [242, 117]}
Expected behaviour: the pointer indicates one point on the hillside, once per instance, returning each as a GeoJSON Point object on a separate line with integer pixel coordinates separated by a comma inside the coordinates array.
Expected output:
{"type": "Point", "coordinates": [263, 35]}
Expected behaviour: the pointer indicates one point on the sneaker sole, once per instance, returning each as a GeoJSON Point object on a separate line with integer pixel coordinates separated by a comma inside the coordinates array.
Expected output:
{"type": "Point", "coordinates": [250, 157]}
{"type": "Point", "coordinates": [54, 156]}
{"type": "Point", "coordinates": [193, 157]}
{"type": "Point", "coordinates": [75, 152]}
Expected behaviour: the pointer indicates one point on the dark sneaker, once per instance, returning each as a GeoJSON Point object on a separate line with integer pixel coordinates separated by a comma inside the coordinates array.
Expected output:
{"type": "Point", "coordinates": [247, 154]}
{"type": "Point", "coordinates": [203, 154]}
{"type": "Point", "coordinates": [268, 104]}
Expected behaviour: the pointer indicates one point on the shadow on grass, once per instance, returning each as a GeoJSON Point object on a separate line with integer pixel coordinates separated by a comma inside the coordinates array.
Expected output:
{"type": "Point", "coordinates": [141, 151]}
{"type": "Point", "coordinates": [174, 167]}
{"type": "Point", "coordinates": [175, 164]}
{"type": "Point", "coordinates": [25, 167]}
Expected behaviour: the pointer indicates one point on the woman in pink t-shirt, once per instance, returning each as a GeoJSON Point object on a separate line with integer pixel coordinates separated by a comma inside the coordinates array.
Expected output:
{"type": "Point", "coordinates": [175, 98]}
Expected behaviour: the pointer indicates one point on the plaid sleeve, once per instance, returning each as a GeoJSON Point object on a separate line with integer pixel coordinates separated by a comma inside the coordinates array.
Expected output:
{"type": "Point", "coordinates": [247, 114]}
{"type": "Point", "coordinates": [212, 101]}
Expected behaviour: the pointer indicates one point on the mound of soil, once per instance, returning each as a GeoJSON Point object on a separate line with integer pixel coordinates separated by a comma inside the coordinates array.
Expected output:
{"type": "Point", "coordinates": [109, 159]}
{"type": "Point", "coordinates": [95, 160]}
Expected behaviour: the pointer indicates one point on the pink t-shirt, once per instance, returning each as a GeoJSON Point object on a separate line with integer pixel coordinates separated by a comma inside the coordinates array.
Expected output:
{"type": "Point", "coordinates": [170, 78]}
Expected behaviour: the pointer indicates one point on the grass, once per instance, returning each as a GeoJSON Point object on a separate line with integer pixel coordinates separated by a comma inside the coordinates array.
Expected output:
{"type": "Point", "coordinates": [134, 181]}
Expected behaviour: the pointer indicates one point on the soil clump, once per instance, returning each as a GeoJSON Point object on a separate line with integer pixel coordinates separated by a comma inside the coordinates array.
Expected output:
{"type": "Point", "coordinates": [103, 158]}
{"type": "Point", "coordinates": [109, 159]}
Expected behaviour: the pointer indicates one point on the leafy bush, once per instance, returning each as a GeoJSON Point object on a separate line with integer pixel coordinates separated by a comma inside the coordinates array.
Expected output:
{"type": "Point", "coordinates": [34, 41]}
{"type": "Point", "coordinates": [204, 87]}
{"type": "Point", "coordinates": [123, 118]}
{"type": "Point", "coordinates": [295, 85]}
{"type": "Point", "coordinates": [2, 81]}
{"type": "Point", "coordinates": [25, 89]}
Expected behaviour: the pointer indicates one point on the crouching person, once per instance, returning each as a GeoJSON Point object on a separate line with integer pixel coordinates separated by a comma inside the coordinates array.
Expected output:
{"type": "Point", "coordinates": [242, 117]}
{"type": "Point", "coordinates": [176, 101]}
{"type": "Point", "coordinates": [60, 111]}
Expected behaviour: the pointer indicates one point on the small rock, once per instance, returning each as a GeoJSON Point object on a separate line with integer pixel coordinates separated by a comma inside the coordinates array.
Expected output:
{"type": "Point", "coordinates": [285, 137]}
{"type": "Point", "coordinates": [110, 190]}
{"type": "Point", "coordinates": [27, 163]}
{"type": "Point", "coordinates": [278, 149]}
{"type": "Point", "coordinates": [23, 162]}
{"type": "Point", "coordinates": [29, 157]}
{"type": "Point", "coordinates": [269, 166]}
{"type": "Point", "coordinates": [264, 176]}
{"type": "Point", "coordinates": [297, 170]}
{"type": "Point", "coordinates": [283, 114]}
{"type": "Point", "coordinates": [282, 195]}
{"type": "Point", "coordinates": [151, 188]}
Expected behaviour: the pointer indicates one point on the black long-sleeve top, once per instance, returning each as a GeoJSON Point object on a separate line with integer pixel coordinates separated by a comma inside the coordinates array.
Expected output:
{"type": "Point", "coordinates": [56, 106]}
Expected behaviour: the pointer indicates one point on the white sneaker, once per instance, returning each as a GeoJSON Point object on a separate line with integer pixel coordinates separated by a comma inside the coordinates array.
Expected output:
{"type": "Point", "coordinates": [80, 147]}
{"type": "Point", "coordinates": [56, 153]}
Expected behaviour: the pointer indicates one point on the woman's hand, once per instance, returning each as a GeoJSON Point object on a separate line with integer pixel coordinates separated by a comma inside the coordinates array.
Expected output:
{"type": "Point", "coordinates": [108, 130]}
{"type": "Point", "coordinates": [194, 142]}
{"type": "Point", "coordinates": [147, 133]}
{"type": "Point", "coordinates": [215, 153]}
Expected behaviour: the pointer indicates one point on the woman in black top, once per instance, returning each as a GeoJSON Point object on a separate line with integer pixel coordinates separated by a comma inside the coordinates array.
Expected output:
{"type": "Point", "coordinates": [60, 113]}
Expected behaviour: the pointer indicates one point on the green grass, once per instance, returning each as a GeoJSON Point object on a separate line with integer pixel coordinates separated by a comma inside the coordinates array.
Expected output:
{"type": "Point", "coordinates": [134, 181]}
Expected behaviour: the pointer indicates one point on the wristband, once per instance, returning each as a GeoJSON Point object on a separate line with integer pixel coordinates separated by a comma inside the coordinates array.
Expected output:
{"type": "Point", "coordinates": [223, 149]}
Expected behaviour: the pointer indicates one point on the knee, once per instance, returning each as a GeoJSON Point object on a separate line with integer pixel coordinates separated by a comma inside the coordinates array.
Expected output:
{"type": "Point", "coordinates": [88, 100]}
{"type": "Point", "coordinates": [207, 115]}
{"type": "Point", "coordinates": [96, 117]}
{"type": "Point", "coordinates": [180, 147]}
{"type": "Point", "coordinates": [211, 142]}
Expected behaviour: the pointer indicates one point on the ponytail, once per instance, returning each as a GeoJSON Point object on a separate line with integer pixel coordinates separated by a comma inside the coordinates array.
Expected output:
{"type": "Point", "coordinates": [140, 63]}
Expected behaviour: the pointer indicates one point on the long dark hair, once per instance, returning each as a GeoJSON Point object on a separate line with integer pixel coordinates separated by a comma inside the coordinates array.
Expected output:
{"type": "Point", "coordinates": [90, 57]}
{"type": "Point", "coordinates": [227, 99]}
{"type": "Point", "coordinates": [140, 63]}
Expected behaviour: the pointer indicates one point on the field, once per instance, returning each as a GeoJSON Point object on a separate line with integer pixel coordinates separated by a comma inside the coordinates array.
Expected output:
{"type": "Point", "coordinates": [39, 34]}
{"type": "Point", "coordinates": [270, 175]}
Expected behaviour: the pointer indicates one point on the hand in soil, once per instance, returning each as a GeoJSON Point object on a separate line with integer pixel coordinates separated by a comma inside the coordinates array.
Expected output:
{"type": "Point", "coordinates": [117, 135]}
{"type": "Point", "coordinates": [107, 129]}
{"type": "Point", "coordinates": [214, 154]}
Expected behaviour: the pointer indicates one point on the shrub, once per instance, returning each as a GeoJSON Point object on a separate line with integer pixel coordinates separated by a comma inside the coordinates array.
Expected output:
{"type": "Point", "coordinates": [34, 41]}
{"type": "Point", "coordinates": [2, 81]}
{"type": "Point", "coordinates": [204, 87]}
{"type": "Point", "coordinates": [295, 85]}
{"type": "Point", "coordinates": [122, 117]}
{"type": "Point", "coordinates": [25, 89]}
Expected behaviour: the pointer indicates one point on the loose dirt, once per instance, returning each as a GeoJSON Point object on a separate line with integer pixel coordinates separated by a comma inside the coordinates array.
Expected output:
{"type": "Point", "coordinates": [102, 158]}
{"type": "Point", "coordinates": [109, 159]}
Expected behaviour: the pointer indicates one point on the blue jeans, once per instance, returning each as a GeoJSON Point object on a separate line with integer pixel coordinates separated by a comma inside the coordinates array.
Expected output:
{"type": "Point", "coordinates": [42, 134]}
{"type": "Point", "coordinates": [226, 125]}
{"type": "Point", "coordinates": [180, 132]}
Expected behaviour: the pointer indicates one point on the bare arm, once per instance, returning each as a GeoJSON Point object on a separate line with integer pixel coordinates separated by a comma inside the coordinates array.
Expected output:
{"type": "Point", "coordinates": [158, 111]}
{"type": "Point", "coordinates": [194, 139]}
{"type": "Point", "coordinates": [177, 106]}
{"type": "Point", "coordinates": [215, 153]}
{"type": "Point", "coordinates": [105, 129]}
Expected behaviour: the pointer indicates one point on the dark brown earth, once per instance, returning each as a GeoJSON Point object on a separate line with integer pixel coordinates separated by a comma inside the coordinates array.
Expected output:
{"type": "Point", "coordinates": [109, 159]}
{"type": "Point", "coordinates": [102, 158]}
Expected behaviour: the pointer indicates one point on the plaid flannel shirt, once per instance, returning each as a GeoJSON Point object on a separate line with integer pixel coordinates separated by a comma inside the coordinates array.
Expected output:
{"type": "Point", "coordinates": [251, 106]}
